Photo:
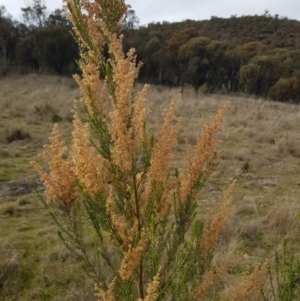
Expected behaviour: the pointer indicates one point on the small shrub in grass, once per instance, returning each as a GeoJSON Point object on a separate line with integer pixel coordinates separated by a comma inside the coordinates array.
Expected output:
{"type": "Point", "coordinates": [16, 135]}
{"type": "Point", "coordinates": [204, 88]}
{"type": "Point", "coordinates": [284, 277]}
{"type": "Point", "coordinates": [44, 112]}
{"type": "Point", "coordinates": [23, 202]}
{"type": "Point", "coordinates": [56, 118]}
{"type": "Point", "coordinates": [149, 243]}
{"type": "Point", "coordinates": [9, 209]}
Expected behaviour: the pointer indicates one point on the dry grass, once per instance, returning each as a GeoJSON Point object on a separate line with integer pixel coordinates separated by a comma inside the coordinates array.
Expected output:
{"type": "Point", "coordinates": [29, 104]}
{"type": "Point", "coordinates": [261, 143]}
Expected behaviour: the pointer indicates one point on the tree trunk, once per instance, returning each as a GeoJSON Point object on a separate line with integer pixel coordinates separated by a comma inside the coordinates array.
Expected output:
{"type": "Point", "coordinates": [4, 50]}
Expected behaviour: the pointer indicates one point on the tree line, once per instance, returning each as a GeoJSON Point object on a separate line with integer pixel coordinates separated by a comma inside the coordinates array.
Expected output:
{"type": "Point", "coordinates": [257, 55]}
{"type": "Point", "coordinates": [41, 43]}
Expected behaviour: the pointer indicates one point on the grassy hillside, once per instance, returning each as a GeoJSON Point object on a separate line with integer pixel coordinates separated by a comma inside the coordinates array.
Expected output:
{"type": "Point", "coordinates": [261, 144]}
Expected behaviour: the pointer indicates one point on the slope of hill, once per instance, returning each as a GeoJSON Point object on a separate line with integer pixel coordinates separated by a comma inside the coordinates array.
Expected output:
{"type": "Point", "coordinates": [261, 146]}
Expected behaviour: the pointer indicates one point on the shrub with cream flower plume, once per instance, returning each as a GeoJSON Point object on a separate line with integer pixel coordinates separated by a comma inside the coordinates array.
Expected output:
{"type": "Point", "coordinates": [149, 242]}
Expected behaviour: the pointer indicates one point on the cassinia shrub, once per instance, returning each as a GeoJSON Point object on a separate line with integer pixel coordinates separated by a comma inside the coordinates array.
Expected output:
{"type": "Point", "coordinates": [117, 181]}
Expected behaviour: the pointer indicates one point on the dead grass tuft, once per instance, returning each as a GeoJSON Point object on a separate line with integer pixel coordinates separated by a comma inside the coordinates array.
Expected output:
{"type": "Point", "coordinates": [17, 135]}
{"type": "Point", "coordinates": [282, 220]}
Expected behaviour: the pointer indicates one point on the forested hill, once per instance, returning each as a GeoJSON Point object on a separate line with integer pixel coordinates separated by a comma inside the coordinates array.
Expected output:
{"type": "Point", "coordinates": [270, 30]}
{"type": "Point", "coordinates": [257, 55]}
{"type": "Point", "coordinates": [254, 54]}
